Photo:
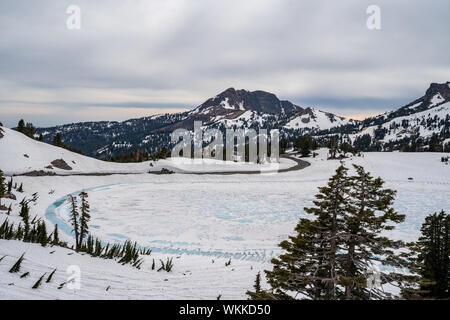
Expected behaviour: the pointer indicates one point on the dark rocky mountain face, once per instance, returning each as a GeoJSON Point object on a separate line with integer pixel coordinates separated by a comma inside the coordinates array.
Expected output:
{"type": "Point", "coordinates": [259, 101]}
{"type": "Point", "coordinates": [438, 88]}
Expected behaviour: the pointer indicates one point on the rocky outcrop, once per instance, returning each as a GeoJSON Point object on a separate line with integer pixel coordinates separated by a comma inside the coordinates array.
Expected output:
{"type": "Point", "coordinates": [40, 173]}
{"type": "Point", "coordinates": [162, 171]}
{"type": "Point", "coordinates": [9, 196]}
{"type": "Point", "coordinates": [61, 164]}
{"type": "Point", "coordinates": [438, 88]}
{"type": "Point", "coordinates": [259, 101]}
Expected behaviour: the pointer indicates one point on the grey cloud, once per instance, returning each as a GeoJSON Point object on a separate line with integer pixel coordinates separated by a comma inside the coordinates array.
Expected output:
{"type": "Point", "coordinates": [311, 52]}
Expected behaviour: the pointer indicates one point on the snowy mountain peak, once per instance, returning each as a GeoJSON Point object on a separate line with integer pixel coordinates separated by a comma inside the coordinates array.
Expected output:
{"type": "Point", "coordinates": [314, 119]}
{"type": "Point", "coordinates": [439, 89]}
{"type": "Point", "coordinates": [229, 109]}
{"type": "Point", "coordinates": [419, 120]}
{"type": "Point", "coordinates": [436, 95]}
{"type": "Point", "coordinates": [243, 100]}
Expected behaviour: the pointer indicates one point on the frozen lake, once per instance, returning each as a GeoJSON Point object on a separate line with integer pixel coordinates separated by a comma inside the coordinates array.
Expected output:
{"type": "Point", "coordinates": [231, 218]}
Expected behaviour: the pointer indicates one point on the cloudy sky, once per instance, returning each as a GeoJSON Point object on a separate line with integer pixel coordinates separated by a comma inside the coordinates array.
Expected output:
{"type": "Point", "coordinates": [139, 57]}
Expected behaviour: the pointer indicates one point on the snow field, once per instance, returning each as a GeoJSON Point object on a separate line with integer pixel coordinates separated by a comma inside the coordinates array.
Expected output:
{"type": "Point", "coordinates": [197, 219]}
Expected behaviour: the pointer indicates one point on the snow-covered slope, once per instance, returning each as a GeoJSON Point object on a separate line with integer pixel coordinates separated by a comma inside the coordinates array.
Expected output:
{"type": "Point", "coordinates": [424, 123]}
{"type": "Point", "coordinates": [109, 280]}
{"type": "Point", "coordinates": [419, 120]}
{"type": "Point", "coordinates": [201, 222]}
{"type": "Point", "coordinates": [435, 95]}
{"type": "Point", "coordinates": [317, 120]}
{"type": "Point", "coordinates": [20, 154]}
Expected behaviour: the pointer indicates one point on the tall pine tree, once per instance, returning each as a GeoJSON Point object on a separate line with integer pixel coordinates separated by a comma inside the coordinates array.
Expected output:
{"type": "Point", "coordinates": [84, 218]}
{"type": "Point", "coordinates": [74, 216]}
{"type": "Point", "coordinates": [331, 254]}
{"type": "Point", "coordinates": [309, 268]}
{"type": "Point", "coordinates": [21, 126]}
{"type": "Point", "coordinates": [10, 185]}
{"type": "Point", "coordinates": [2, 186]}
{"type": "Point", "coordinates": [369, 214]}
{"type": "Point", "coordinates": [55, 236]}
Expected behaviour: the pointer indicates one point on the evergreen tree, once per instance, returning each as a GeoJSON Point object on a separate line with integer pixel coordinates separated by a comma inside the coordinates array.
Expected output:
{"type": "Point", "coordinates": [304, 145]}
{"type": "Point", "coordinates": [257, 285]}
{"type": "Point", "coordinates": [38, 283]}
{"type": "Point", "coordinates": [84, 217]}
{"type": "Point", "coordinates": [432, 255]}
{"type": "Point", "coordinates": [283, 145]}
{"type": "Point", "coordinates": [16, 267]}
{"type": "Point", "coordinates": [10, 184]}
{"type": "Point", "coordinates": [98, 249]}
{"type": "Point", "coordinates": [29, 130]}
{"type": "Point", "coordinates": [330, 255]}
{"type": "Point", "coordinates": [74, 216]}
{"type": "Point", "coordinates": [2, 186]}
{"type": "Point", "coordinates": [333, 144]}
{"type": "Point", "coordinates": [330, 210]}
{"type": "Point", "coordinates": [345, 147]}
{"type": "Point", "coordinates": [6, 230]}
{"type": "Point", "coordinates": [50, 276]}
{"type": "Point", "coordinates": [19, 233]}
{"type": "Point", "coordinates": [21, 126]}
{"type": "Point", "coordinates": [57, 140]}
{"type": "Point", "coordinates": [255, 295]}
{"type": "Point", "coordinates": [89, 246]}
{"type": "Point", "coordinates": [369, 214]}
{"type": "Point", "coordinates": [55, 236]}
{"type": "Point", "coordinates": [160, 154]}
{"type": "Point", "coordinates": [24, 214]}
{"type": "Point", "coordinates": [309, 266]}
{"type": "Point", "coordinates": [42, 236]}
{"type": "Point", "coordinates": [24, 210]}
{"type": "Point", "coordinates": [363, 142]}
